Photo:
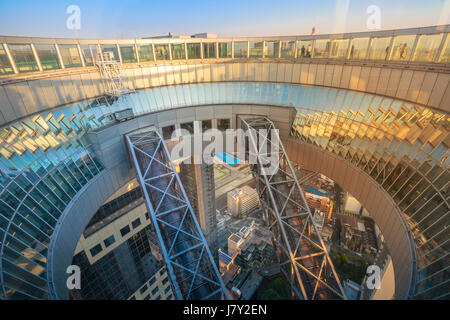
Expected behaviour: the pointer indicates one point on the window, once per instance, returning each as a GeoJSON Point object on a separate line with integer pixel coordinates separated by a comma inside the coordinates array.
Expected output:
{"type": "Point", "coordinates": [147, 216]}
{"type": "Point", "coordinates": [445, 55]}
{"type": "Point", "coordinates": [168, 131]}
{"type": "Point", "coordinates": [321, 48]}
{"type": "Point", "coordinates": [379, 48]}
{"type": "Point", "coordinates": [402, 47]}
{"type": "Point", "coordinates": [147, 297]}
{"type": "Point", "coordinates": [170, 296]}
{"type": "Point", "coordinates": [339, 49]}
{"type": "Point", "coordinates": [178, 51]}
{"type": "Point", "coordinates": [143, 289]}
{"type": "Point", "coordinates": [240, 49]}
{"type": "Point", "coordinates": [209, 50]}
{"type": "Point", "coordinates": [189, 126]}
{"type": "Point", "coordinates": [155, 290]}
{"type": "Point", "coordinates": [165, 280]}
{"type": "Point", "coordinates": [206, 125]}
{"type": "Point", "coordinates": [162, 52]}
{"type": "Point", "coordinates": [193, 50]}
{"type": "Point", "coordinates": [5, 66]}
{"type": "Point", "coordinates": [256, 49]}
{"type": "Point", "coordinates": [427, 47]}
{"type": "Point", "coordinates": [158, 297]}
{"type": "Point", "coordinates": [223, 124]}
{"type": "Point", "coordinates": [136, 223]}
{"type": "Point", "coordinates": [110, 48]}
{"type": "Point", "coordinates": [70, 55]}
{"type": "Point", "coordinates": [358, 48]}
{"type": "Point", "coordinates": [124, 230]}
{"type": "Point", "coordinates": [128, 53]}
{"type": "Point", "coordinates": [287, 49]}
{"type": "Point", "coordinates": [87, 55]}
{"type": "Point", "coordinates": [145, 52]}
{"type": "Point", "coordinates": [48, 56]}
{"type": "Point", "coordinates": [225, 49]}
{"type": "Point", "coordinates": [271, 49]}
{"type": "Point", "coordinates": [167, 289]}
{"type": "Point", "coordinates": [23, 57]}
{"type": "Point", "coordinates": [304, 49]}
{"type": "Point", "coordinates": [109, 241]}
{"type": "Point", "coordinates": [152, 281]}
{"type": "Point", "coordinates": [96, 250]}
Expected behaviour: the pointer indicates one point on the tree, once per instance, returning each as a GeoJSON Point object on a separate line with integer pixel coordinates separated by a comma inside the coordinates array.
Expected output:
{"type": "Point", "coordinates": [270, 294]}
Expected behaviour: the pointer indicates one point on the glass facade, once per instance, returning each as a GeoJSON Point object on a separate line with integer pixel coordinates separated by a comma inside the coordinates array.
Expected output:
{"type": "Point", "coordinates": [321, 48]}
{"type": "Point", "coordinates": [402, 47]}
{"type": "Point", "coordinates": [427, 47]}
{"type": "Point", "coordinates": [240, 49]}
{"type": "Point", "coordinates": [304, 49]}
{"type": "Point", "coordinates": [339, 49]}
{"type": "Point", "coordinates": [145, 52]}
{"type": "Point", "coordinates": [48, 56]}
{"type": "Point", "coordinates": [110, 48]}
{"type": "Point", "coordinates": [194, 51]}
{"type": "Point", "coordinates": [379, 48]}
{"type": "Point", "coordinates": [358, 48]}
{"type": "Point", "coordinates": [70, 55]}
{"type": "Point", "coordinates": [287, 49]}
{"type": "Point", "coordinates": [23, 57]}
{"type": "Point", "coordinates": [256, 49]}
{"type": "Point", "coordinates": [5, 66]}
{"type": "Point", "coordinates": [162, 52]}
{"type": "Point", "coordinates": [128, 53]}
{"type": "Point", "coordinates": [178, 51]}
{"type": "Point", "coordinates": [209, 50]}
{"type": "Point", "coordinates": [225, 49]}
{"type": "Point", "coordinates": [271, 49]}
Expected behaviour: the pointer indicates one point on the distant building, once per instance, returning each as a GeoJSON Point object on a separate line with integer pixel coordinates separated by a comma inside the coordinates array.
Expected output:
{"type": "Point", "coordinates": [234, 242]}
{"type": "Point", "coordinates": [242, 200]}
{"type": "Point", "coordinates": [205, 35]}
{"type": "Point", "coordinates": [352, 289]}
{"type": "Point", "coordinates": [319, 218]}
{"type": "Point", "coordinates": [157, 288]}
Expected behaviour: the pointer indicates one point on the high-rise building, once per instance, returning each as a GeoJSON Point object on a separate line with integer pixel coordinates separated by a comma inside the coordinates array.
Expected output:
{"type": "Point", "coordinates": [242, 200]}
{"type": "Point", "coordinates": [198, 182]}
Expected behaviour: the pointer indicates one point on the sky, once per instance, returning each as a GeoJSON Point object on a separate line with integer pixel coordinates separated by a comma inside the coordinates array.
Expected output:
{"type": "Point", "coordinates": [226, 18]}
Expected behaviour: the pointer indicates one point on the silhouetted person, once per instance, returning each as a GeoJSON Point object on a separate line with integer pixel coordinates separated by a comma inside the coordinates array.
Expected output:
{"type": "Point", "coordinates": [403, 51]}
{"type": "Point", "coordinates": [308, 54]}
{"type": "Point", "coordinates": [303, 51]}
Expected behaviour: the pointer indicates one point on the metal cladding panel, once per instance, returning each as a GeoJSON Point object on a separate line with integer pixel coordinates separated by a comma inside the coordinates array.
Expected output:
{"type": "Point", "coordinates": [416, 84]}
{"type": "Point", "coordinates": [373, 79]}
{"type": "Point", "coordinates": [393, 82]}
{"type": "Point", "coordinates": [345, 77]}
{"type": "Point", "coordinates": [354, 78]}
{"type": "Point", "coordinates": [427, 87]}
{"type": "Point", "coordinates": [438, 90]}
{"type": "Point", "coordinates": [320, 74]}
{"type": "Point", "coordinates": [383, 81]}
{"type": "Point", "coordinates": [404, 83]}
{"type": "Point", "coordinates": [337, 74]}
{"type": "Point", "coordinates": [296, 72]}
{"type": "Point", "coordinates": [364, 79]}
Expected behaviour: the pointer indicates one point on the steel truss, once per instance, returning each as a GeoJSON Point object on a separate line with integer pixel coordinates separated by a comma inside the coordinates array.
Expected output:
{"type": "Point", "coordinates": [302, 254]}
{"type": "Point", "coordinates": [190, 265]}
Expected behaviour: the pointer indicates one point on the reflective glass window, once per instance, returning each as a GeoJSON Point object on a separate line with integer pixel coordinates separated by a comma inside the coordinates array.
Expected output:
{"type": "Point", "coordinates": [110, 48]}
{"type": "Point", "coordinates": [145, 52]}
{"type": "Point", "coordinates": [402, 47]}
{"type": "Point", "coordinates": [304, 49]}
{"type": "Point", "coordinates": [271, 49]}
{"type": "Point", "coordinates": [178, 51]}
{"type": "Point", "coordinates": [225, 49]}
{"type": "Point", "coordinates": [87, 55]}
{"type": "Point", "coordinates": [287, 49]}
{"type": "Point", "coordinates": [445, 55]}
{"type": "Point", "coordinates": [70, 55]}
{"type": "Point", "coordinates": [109, 241]}
{"type": "Point", "coordinates": [358, 48]}
{"type": "Point", "coordinates": [162, 52]}
{"type": "Point", "coordinates": [48, 56]}
{"type": "Point", "coordinates": [128, 53]}
{"type": "Point", "coordinates": [379, 48]}
{"type": "Point", "coordinates": [256, 49]}
{"type": "Point", "coordinates": [5, 66]}
{"type": "Point", "coordinates": [193, 51]}
{"type": "Point", "coordinates": [96, 250]}
{"type": "Point", "coordinates": [339, 49]}
{"type": "Point", "coordinates": [427, 47]}
{"type": "Point", "coordinates": [223, 124]}
{"type": "Point", "coordinates": [23, 57]}
{"type": "Point", "coordinates": [240, 49]}
{"type": "Point", "coordinates": [209, 50]}
{"type": "Point", "coordinates": [321, 48]}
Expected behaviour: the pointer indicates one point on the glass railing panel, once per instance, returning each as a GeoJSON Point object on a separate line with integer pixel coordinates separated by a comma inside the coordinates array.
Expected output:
{"type": "Point", "coordinates": [145, 52]}
{"type": "Point", "coordinates": [256, 49]}
{"type": "Point", "coordinates": [194, 51]}
{"type": "Point", "coordinates": [5, 66]}
{"type": "Point", "coordinates": [128, 53]}
{"type": "Point", "coordinates": [358, 48]}
{"type": "Point", "coordinates": [304, 49]}
{"type": "Point", "coordinates": [162, 52]}
{"type": "Point", "coordinates": [70, 55]}
{"type": "Point", "coordinates": [321, 48]}
{"type": "Point", "coordinates": [110, 48]}
{"type": "Point", "coordinates": [240, 49]}
{"type": "Point", "coordinates": [402, 47]}
{"type": "Point", "coordinates": [178, 51]}
{"type": "Point", "coordinates": [339, 49]}
{"type": "Point", "coordinates": [379, 48]}
{"type": "Point", "coordinates": [271, 49]}
{"type": "Point", "coordinates": [23, 57]}
{"type": "Point", "coordinates": [427, 47]}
